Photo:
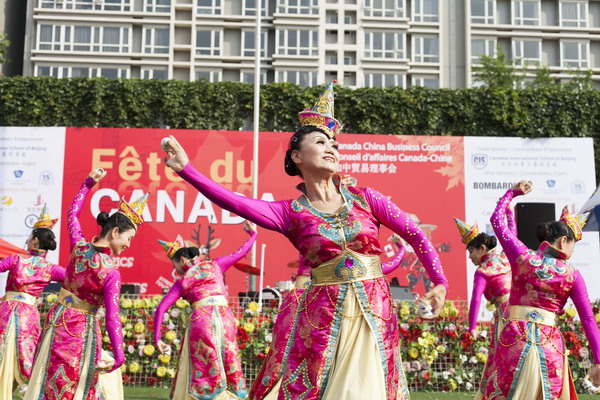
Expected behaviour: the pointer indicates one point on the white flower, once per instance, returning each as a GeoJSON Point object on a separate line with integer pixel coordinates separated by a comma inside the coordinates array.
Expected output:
{"type": "Point", "coordinates": [175, 312]}
{"type": "Point", "coordinates": [130, 349]}
{"type": "Point", "coordinates": [468, 386]}
{"type": "Point", "coordinates": [176, 341]}
{"type": "Point", "coordinates": [171, 326]}
{"type": "Point", "coordinates": [462, 358]}
{"type": "Point", "coordinates": [483, 334]}
{"type": "Point", "coordinates": [473, 360]}
{"type": "Point", "coordinates": [268, 338]}
{"type": "Point", "coordinates": [445, 375]}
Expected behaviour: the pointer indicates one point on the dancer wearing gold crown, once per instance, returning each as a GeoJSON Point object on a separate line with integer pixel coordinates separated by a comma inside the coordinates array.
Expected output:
{"type": "Point", "coordinates": [209, 363]}
{"type": "Point", "coordinates": [492, 279]}
{"type": "Point", "coordinates": [534, 358]}
{"type": "Point", "coordinates": [28, 274]}
{"type": "Point", "coordinates": [344, 342]}
{"type": "Point", "coordinates": [68, 359]}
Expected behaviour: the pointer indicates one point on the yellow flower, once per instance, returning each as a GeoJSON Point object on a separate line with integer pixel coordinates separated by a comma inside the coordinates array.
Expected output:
{"type": "Point", "coordinates": [434, 354]}
{"type": "Point", "coordinates": [126, 303]}
{"type": "Point", "coordinates": [123, 368]}
{"type": "Point", "coordinates": [171, 372]}
{"type": "Point", "coordinates": [139, 328]}
{"type": "Point", "coordinates": [404, 314]}
{"type": "Point", "coordinates": [147, 303]}
{"type": "Point", "coordinates": [571, 312]}
{"type": "Point", "coordinates": [481, 357]}
{"type": "Point", "coordinates": [444, 313]}
{"type": "Point", "coordinates": [490, 306]}
{"type": "Point", "coordinates": [123, 319]}
{"type": "Point", "coordinates": [267, 349]}
{"type": "Point", "coordinates": [161, 371]}
{"type": "Point", "coordinates": [164, 358]}
{"type": "Point", "coordinates": [429, 360]}
{"type": "Point", "coordinates": [51, 298]}
{"type": "Point", "coordinates": [249, 327]}
{"type": "Point", "coordinates": [413, 352]}
{"type": "Point", "coordinates": [452, 385]}
{"type": "Point", "coordinates": [598, 317]}
{"type": "Point", "coordinates": [253, 306]}
{"type": "Point", "coordinates": [149, 350]}
{"type": "Point", "coordinates": [441, 349]}
{"type": "Point", "coordinates": [138, 303]}
{"type": "Point", "coordinates": [134, 367]}
{"type": "Point", "coordinates": [181, 303]}
{"type": "Point", "coordinates": [128, 327]}
{"type": "Point", "coordinates": [106, 339]}
{"type": "Point", "coordinates": [454, 312]}
{"type": "Point", "coordinates": [170, 336]}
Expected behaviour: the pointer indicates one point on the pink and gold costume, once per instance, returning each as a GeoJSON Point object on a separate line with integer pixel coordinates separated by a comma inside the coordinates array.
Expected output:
{"type": "Point", "coordinates": [271, 368]}
{"type": "Point", "coordinates": [534, 363]}
{"type": "Point", "coordinates": [344, 341]}
{"type": "Point", "coordinates": [71, 346]}
{"type": "Point", "coordinates": [209, 366]}
{"type": "Point", "coordinates": [19, 316]}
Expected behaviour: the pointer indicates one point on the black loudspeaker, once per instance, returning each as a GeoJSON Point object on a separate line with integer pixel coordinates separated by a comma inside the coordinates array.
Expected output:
{"type": "Point", "coordinates": [130, 288]}
{"type": "Point", "coordinates": [52, 287]}
{"type": "Point", "coordinates": [401, 293]}
{"type": "Point", "coordinates": [529, 215]}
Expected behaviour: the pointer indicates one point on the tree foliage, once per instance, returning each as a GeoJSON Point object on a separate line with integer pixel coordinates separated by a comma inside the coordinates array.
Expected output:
{"type": "Point", "coordinates": [4, 43]}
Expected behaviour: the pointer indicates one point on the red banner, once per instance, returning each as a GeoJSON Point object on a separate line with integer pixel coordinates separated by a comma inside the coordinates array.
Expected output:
{"type": "Point", "coordinates": [423, 175]}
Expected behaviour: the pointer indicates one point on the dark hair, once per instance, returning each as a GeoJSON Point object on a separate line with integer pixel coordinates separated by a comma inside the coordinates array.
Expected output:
{"type": "Point", "coordinates": [45, 237]}
{"type": "Point", "coordinates": [117, 220]}
{"type": "Point", "coordinates": [187, 252]}
{"type": "Point", "coordinates": [550, 231]}
{"type": "Point", "coordinates": [483, 239]}
{"type": "Point", "coordinates": [290, 166]}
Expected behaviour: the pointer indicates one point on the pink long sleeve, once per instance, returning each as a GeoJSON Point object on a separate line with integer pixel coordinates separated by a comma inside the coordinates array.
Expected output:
{"type": "Point", "coordinates": [272, 215]}
{"type": "Point", "coordinates": [579, 295]}
{"type": "Point", "coordinates": [510, 220]}
{"type": "Point", "coordinates": [114, 328]}
{"type": "Point", "coordinates": [388, 214]}
{"type": "Point", "coordinates": [58, 273]}
{"type": "Point", "coordinates": [73, 226]}
{"type": "Point", "coordinates": [8, 263]}
{"type": "Point", "coordinates": [479, 284]}
{"type": "Point", "coordinates": [394, 263]}
{"type": "Point", "coordinates": [166, 303]}
{"type": "Point", "coordinates": [511, 245]}
{"type": "Point", "coordinates": [226, 262]}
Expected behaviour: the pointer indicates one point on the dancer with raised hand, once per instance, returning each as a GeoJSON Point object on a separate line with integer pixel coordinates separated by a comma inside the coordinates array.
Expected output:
{"type": "Point", "coordinates": [28, 274]}
{"type": "Point", "coordinates": [209, 363]}
{"type": "Point", "coordinates": [68, 359]}
{"type": "Point", "coordinates": [534, 357]}
{"type": "Point", "coordinates": [345, 340]}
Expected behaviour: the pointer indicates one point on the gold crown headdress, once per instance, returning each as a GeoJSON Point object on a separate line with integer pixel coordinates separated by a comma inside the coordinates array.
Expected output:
{"type": "Point", "coordinates": [172, 247]}
{"type": "Point", "coordinates": [44, 220]}
{"type": "Point", "coordinates": [575, 222]}
{"type": "Point", "coordinates": [134, 210]}
{"type": "Point", "coordinates": [321, 115]}
{"type": "Point", "coordinates": [467, 232]}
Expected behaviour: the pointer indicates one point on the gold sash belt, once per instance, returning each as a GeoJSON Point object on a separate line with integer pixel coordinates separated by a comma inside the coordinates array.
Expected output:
{"type": "Point", "coordinates": [532, 314]}
{"type": "Point", "coordinates": [210, 301]}
{"type": "Point", "coordinates": [349, 266]}
{"type": "Point", "coordinates": [69, 300]}
{"type": "Point", "coordinates": [302, 282]}
{"type": "Point", "coordinates": [20, 296]}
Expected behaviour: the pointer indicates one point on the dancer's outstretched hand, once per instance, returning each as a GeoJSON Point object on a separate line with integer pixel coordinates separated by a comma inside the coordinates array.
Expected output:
{"type": "Point", "coordinates": [97, 175]}
{"type": "Point", "coordinates": [163, 348]}
{"type": "Point", "coordinates": [474, 334]}
{"type": "Point", "coordinates": [105, 366]}
{"type": "Point", "coordinates": [523, 186]}
{"type": "Point", "coordinates": [176, 157]}
{"type": "Point", "coordinates": [249, 227]}
{"type": "Point", "coordinates": [437, 297]}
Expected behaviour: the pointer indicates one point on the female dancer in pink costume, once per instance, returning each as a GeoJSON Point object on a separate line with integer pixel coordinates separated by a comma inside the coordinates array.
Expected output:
{"type": "Point", "coordinates": [492, 279]}
{"type": "Point", "coordinates": [19, 317]}
{"type": "Point", "coordinates": [344, 340]}
{"type": "Point", "coordinates": [209, 364]}
{"type": "Point", "coordinates": [534, 358]}
{"type": "Point", "coordinates": [271, 368]}
{"type": "Point", "coordinates": [68, 358]}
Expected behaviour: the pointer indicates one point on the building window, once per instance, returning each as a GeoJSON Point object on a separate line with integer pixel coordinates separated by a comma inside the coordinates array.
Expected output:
{"type": "Point", "coordinates": [82, 72]}
{"type": "Point", "coordinates": [384, 8]}
{"type": "Point", "coordinates": [96, 5]}
{"type": "Point", "coordinates": [104, 39]}
{"type": "Point", "coordinates": [483, 12]}
{"type": "Point", "coordinates": [426, 11]}
{"type": "Point", "coordinates": [304, 7]}
{"type": "Point", "coordinates": [249, 7]}
{"type": "Point", "coordinates": [384, 45]}
{"type": "Point", "coordinates": [157, 6]}
{"type": "Point", "coordinates": [431, 82]}
{"type": "Point", "coordinates": [527, 51]}
{"type": "Point", "coordinates": [247, 76]}
{"type": "Point", "coordinates": [574, 13]}
{"type": "Point", "coordinates": [155, 73]}
{"type": "Point", "coordinates": [294, 42]}
{"type": "Point", "coordinates": [425, 49]}
{"type": "Point", "coordinates": [208, 43]}
{"type": "Point", "coordinates": [248, 43]}
{"type": "Point", "coordinates": [156, 40]}
{"type": "Point", "coordinates": [210, 75]}
{"type": "Point", "coordinates": [482, 47]}
{"type": "Point", "coordinates": [382, 79]}
{"type": "Point", "coordinates": [211, 7]}
{"type": "Point", "coordinates": [302, 78]}
{"type": "Point", "coordinates": [574, 54]}
{"type": "Point", "coordinates": [526, 12]}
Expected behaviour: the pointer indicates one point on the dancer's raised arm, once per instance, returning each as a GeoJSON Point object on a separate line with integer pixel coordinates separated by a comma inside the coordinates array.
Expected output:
{"type": "Point", "coordinates": [394, 263]}
{"type": "Point", "coordinates": [226, 262]}
{"type": "Point", "coordinates": [73, 226]}
{"type": "Point", "coordinates": [170, 298]}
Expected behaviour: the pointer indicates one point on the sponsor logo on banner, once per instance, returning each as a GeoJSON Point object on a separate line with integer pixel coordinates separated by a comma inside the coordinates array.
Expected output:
{"type": "Point", "coordinates": [46, 178]}
{"type": "Point", "coordinates": [492, 185]}
{"type": "Point", "coordinates": [30, 220]}
{"type": "Point", "coordinates": [577, 187]}
{"type": "Point", "coordinates": [550, 183]}
{"type": "Point", "coordinates": [124, 262]}
{"type": "Point", "coordinates": [479, 161]}
{"type": "Point", "coordinates": [18, 173]}
{"type": "Point", "coordinates": [6, 200]}
{"type": "Point", "coordinates": [39, 200]}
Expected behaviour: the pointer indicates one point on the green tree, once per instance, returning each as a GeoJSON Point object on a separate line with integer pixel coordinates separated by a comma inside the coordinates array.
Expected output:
{"type": "Point", "coordinates": [497, 72]}
{"type": "Point", "coordinates": [581, 80]}
{"type": "Point", "coordinates": [4, 43]}
{"type": "Point", "coordinates": [543, 79]}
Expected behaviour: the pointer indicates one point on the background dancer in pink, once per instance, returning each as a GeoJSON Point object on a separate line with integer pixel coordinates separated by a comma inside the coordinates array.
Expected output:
{"type": "Point", "coordinates": [534, 358]}
{"type": "Point", "coordinates": [27, 276]}
{"type": "Point", "coordinates": [209, 364]}
{"type": "Point", "coordinates": [344, 340]}
{"type": "Point", "coordinates": [68, 357]}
